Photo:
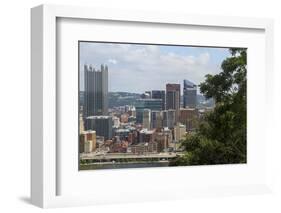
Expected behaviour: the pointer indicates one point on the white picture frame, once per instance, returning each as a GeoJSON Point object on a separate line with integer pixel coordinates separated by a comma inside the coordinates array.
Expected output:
{"type": "Point", "coordinates": [44, 83]}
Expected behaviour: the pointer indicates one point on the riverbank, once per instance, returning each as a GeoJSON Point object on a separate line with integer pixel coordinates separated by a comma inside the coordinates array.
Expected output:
{"type": "Point", "coordinates": [119, 165]}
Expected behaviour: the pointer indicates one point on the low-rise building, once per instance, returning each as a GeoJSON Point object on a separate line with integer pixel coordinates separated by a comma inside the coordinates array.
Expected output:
{"type": "Point", "coordinates": [124, 118]}
{"type": "Point", "coordinates": [122, 133]}
{"type": "Point", "coordinates": [164, 139]}
{"type": "Point", "coordinates": [146, 135]}
{"type": "Point", "coordinates": [119, 147]}
{"type": "Point", "coordinates": [144, 148]}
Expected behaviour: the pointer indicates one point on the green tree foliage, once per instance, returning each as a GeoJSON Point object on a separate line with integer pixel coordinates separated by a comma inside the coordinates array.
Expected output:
{"type": "Point", "coordinates": [221, 136]}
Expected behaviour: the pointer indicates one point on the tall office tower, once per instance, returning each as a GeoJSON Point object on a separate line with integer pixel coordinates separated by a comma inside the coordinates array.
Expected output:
{"type": "Point", "coordinates": [173, 98]}
{"type": "Point", "coordinates": [101, 124]}
{"type": "Point", "coordinates": [156, 119]}
{"type": "Point", "coordinates": [169, 118]}
{"type": "Point", "coordinates": [146, 120]}
{"type": "Point", "coordinates": [96, 91]}
{"type": "Point", "coordinates": [189, 94]}
{"type": "Point", "coordinates": [141, 104]}
{"type": "Point", "coordinates": [159, 94]}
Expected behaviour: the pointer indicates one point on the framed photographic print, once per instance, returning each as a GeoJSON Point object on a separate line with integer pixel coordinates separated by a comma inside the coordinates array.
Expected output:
{"type": "Point", "coordinates": [154, 106]}
{"type": "Point", "coordinates": [142, 109]}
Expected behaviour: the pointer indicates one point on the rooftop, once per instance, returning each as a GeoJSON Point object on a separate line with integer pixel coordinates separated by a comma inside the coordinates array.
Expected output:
{"type": "Point", "coordinates": [87, 132]}
{"type": "Point", "coordinates": [122, 130]}
{"type": "Point", "coordinates": [99, 117]}
{"type": "Point", "coordinates": [146, 131]}
{"type": "Point", "coordinates": [188, 83]}
{"type": "Point", "coordinates": [187, 109]}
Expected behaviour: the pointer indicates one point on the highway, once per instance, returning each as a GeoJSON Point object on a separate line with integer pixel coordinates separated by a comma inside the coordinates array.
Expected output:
{"type": "Point", "coordinates": [113, 156]}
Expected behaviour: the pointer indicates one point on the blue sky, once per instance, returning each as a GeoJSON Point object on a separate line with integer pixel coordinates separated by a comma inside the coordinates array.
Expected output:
{"type": "Point", "coordinates": [138, 68]}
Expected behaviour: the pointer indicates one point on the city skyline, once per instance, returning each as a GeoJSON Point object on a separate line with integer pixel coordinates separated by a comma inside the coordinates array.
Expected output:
{"type": "Point", "coordinates": [157, 117]}
{"type": "Point", "coordinates": [130, 64]}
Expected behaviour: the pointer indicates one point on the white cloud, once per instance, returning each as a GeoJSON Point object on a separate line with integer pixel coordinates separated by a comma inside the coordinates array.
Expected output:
{"type": "Point", "coordinates": [144, 67]}
{"type": "Point", "coordinates": [204, 58]}
{"type": "Point", "coordinates": [112, 61]}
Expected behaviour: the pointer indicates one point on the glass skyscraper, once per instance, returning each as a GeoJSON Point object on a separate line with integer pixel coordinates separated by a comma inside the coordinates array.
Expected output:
{"type": "Point", "coordinates": [159, 94]}
{"type": "Point", "coordinates": [96, 91]}
{"type": "Point", "coordinates": [101, 124]}
{"type": "Point", "coordinates": [173, 96]}
{"type": "Point", "coordinates": [189, 94]}
{"type": "Point", "coordinates": [152, 104]}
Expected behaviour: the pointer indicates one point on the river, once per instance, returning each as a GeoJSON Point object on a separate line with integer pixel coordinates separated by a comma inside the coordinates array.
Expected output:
{"type": "Point", "coordinates": [123, 165]}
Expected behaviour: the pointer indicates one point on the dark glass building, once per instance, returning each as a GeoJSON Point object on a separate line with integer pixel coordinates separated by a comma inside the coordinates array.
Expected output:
{"type": "Point", "coordinates": [173, 95]}
{"type": "Point", "coordinates": [101, 124]}
{"type": "Point", "coordinates": [159, 94]}
{"type": "Point", "coordinates": [169, 118]}
{"type": "Point", "coordinates": [156, 119]}
{"type": "Point", "coordinates": [96, 91]}
{"type": "Point", "coordinates": [152, 104]}
{"type": "Point", "coordinates": [189, 94]}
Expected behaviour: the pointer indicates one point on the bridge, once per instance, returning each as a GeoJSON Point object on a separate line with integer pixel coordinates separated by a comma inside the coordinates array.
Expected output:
{"type": "Point", "coordinates": [117, 157]}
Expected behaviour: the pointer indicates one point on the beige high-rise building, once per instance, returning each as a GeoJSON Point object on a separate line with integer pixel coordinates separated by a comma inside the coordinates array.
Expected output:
{"type": "Point", "coordinates": [146, 122]}
{"type": "Point", "coordinates": [81, 124]}
{"type": "Point", "coordinates": [88, 146]}
{"type": "Point", "coordinates": [88, 141]}
{"type": "Point", "coordinates": [180, 132]}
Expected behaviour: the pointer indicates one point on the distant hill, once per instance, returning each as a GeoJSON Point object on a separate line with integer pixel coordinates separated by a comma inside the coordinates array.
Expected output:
{"type": "Point", "coordinates": [117, 98]}
{"type": "Point", "coordinates": [122, 98]}
{"type": "Point", "coordinates": [126, 98]}
{"type": "Point", "coordinates": [203, 102]}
